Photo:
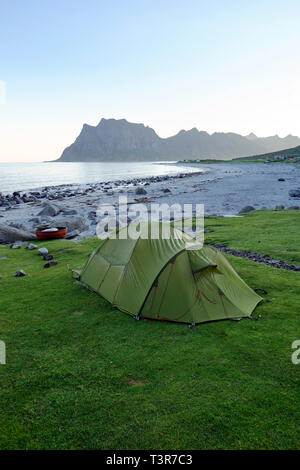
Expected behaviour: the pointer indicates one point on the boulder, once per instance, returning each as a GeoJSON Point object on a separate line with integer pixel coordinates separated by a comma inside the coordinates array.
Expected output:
{"type": "Point", "coordinates": [20, 273]}
{"type": "Point", "coordinates": [140, 190]}
{"type": "Point", "coordinates": [31, 246]}
{"type": "Point", "coordinates": [11, 234]}
{"type": "Point", "coordinates": [42, 251]}
{"type": "Point", "coordinates": [247, 209]}
{"type": "Point", "coordinates": [51, 263]}
{"type": "Point", "coordinates": [49, 210]}
{"type": "Point", "coordinates": [72, 223]}
{"type": "Point", "coordinates": [16, 245]}
{"type": "Point", "coordinates": [48, 257]}
{"type": "Point", "coordinates": [73, 234]}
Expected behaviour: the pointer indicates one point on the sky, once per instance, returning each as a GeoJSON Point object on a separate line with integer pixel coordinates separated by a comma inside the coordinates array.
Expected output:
{"type": "Point", "coordinates": [222, 65]}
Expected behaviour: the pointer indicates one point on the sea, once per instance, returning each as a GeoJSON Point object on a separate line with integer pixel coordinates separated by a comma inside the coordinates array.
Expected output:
{"type": "Point", "coordinates": [25, 176]}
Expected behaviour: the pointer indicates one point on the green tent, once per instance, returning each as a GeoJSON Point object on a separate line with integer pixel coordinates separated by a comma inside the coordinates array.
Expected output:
{"type": "Point", "coordinates": [167, 279]}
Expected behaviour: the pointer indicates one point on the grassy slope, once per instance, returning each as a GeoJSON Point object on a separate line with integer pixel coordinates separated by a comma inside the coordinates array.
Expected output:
{"type": "Point", "coordinates": [291, 152]}
{"type": "Point", "coordinates": [82, 375]}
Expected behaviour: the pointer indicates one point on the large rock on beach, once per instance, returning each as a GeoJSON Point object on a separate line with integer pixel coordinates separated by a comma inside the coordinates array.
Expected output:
{"type": "Point", "coordinates": [140, 191]}
{"type": "Point", "coordinates": [11, 234]}
{"type": "Point", "coordinates": [247, 209]}
{"type": "Point", "coordinates": [49, 210]}
{"type": "Point", "coordinates": [71, 235]}
{"type": "Point", "coordinates": [72, 223]}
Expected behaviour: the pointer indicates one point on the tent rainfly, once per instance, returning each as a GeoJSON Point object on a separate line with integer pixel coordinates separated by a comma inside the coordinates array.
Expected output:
{"type": "Point", "coordinates": [162, 279]}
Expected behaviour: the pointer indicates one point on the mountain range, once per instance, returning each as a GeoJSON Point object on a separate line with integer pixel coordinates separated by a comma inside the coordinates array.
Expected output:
{"type": "Point", "coordinates": [120, 140]}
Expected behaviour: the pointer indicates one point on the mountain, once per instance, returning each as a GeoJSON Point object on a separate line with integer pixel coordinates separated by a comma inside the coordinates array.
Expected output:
{"type": "Point", "coordinates": [120, 140]}
{"type": "Point", "coordinates": [275, 142]}
{"type": "Point", "coordinates": [116, 140]}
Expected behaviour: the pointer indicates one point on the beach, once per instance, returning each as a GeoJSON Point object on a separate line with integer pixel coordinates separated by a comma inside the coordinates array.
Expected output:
{"type": "Point", "coordinates": [224, 189]}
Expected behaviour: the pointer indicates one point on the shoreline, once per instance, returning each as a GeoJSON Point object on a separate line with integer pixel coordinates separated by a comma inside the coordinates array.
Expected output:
{"type": "Point", "coordinates": [224, 190]}
{"type": "Point", "coordinates": [26, 177]}
{"type": "Point", "coordinates": [131, 181]}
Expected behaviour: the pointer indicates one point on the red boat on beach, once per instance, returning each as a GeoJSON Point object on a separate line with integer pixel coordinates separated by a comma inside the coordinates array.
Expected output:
{"type": "Point", "coordinates": [51, 233]}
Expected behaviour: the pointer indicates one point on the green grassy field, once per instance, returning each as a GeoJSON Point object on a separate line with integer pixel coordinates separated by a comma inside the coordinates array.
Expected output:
{"type": "Point", "coordinates": [81, 375]}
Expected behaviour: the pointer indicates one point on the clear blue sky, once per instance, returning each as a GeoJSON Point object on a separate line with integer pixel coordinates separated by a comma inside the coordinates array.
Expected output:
{"type": "Point", "coordinates": [221, 65]}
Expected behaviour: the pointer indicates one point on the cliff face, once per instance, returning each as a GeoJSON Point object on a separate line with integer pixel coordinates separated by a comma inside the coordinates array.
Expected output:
{"type": "Point", "coordinates": [119, 140]}
{"type": "Point", "coordinates": [114, 140]}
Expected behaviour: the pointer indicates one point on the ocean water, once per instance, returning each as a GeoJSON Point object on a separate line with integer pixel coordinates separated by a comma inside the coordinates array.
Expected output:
{"type": "Point", "coordinates": [23, 176]}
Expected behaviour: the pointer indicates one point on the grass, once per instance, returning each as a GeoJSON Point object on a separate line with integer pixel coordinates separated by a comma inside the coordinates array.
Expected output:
{"type": "Point", "coordinates": [81, 375]}
{"type": "Point", "coordinates": [275, 233]}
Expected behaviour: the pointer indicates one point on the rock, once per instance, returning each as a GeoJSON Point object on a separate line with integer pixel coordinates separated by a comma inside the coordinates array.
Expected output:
{"type": "Point", "coordinates": [293, 208]}
{"type": "Point", "coordinates": [48, 257]}
{"type": "Point", "coordinates": [49, 210]}
{"type": "Point", "coordinates": [51, 263]}
{"type": "Point", "coordinates": [31, 246]}
{"type": "Point", "coordinates": [11, 234]}
{"type": "Point", "coordinates": [166, 190]}
{"type": "Point", "coordinates": [43, 251]}
{"type": "Point", "coordinates": [20, 273]}
{"type": "Point", "coordinates": [16, 246]}
{"type": "Point", "coordinates": [279, 208]}
{"type": "Point", "coordinates": [140, 190]}
{"type": "Point", "coordinates": [72, 223]}
{"type": "Point", "coordinates": [294, 193]}
{"type": "Point", "coordinates": [281, 179]}
{"type": "Point", "coordinates": [91, 214]}
{"type": "Point", "coordinates": [30, 199]}
{"type": "Point", "coordinates": [247, 209]}
{"type": "Point", "coordinates": [73, 234]}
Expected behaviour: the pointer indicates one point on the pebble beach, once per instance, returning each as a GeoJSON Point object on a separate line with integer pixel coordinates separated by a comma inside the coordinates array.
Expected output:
{"type": "Point", "coordinates": [224, 189]}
